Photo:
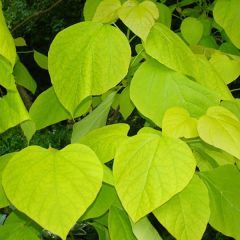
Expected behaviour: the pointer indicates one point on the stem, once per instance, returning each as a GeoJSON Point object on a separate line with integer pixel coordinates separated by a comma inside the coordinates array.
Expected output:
{"type": "Point", "coordinates": [136, 57]}
{"type": "Point", "coordinates": [235, 90]}
{"type": "Point", "coordinates": [128, 33]}
{"type": "Point", "coordinates": [132, 38]}
{"type": "Point", "coordinates": [30, 51]}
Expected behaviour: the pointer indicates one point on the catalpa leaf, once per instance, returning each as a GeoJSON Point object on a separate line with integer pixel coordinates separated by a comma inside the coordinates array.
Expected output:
{"type": "Point", "coordinates": [221, 128]}
{"type": "Point", "coordinates": [224, 191]}
{"type": "Point", "coordinates": [139, 17]}
{"type": "Point", "coordinates": [76, 63]}
{"type": "Point", "coordinates": [191, 205]}
{"type": "Point", "coordinates": [53, 187]}
{"type": "Point", "coordinates": [148, 170]}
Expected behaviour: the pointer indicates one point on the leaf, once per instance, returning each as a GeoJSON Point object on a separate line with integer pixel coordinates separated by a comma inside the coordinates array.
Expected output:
{"type": "Point", "coordinates": [97, 118]}
{"type": "Point", "coordinates": [29, 129]}
{"type": "Point", "coordinates": [192, 30]}
{"type": "Point", "coordinates": [143, 230]}
{"type": "Point", "coordinates": [155, 88]}
{"type": "Point", "coordinates": [233, 106]}
{"type": "Point", "coordinates": [104, 141]}
{"type": "Point", "coordinates": [228, 69]}
{"type": "Point", "coordinates": [7, 45]}
{"type": "Point", "coordinates": [106, 11]}
{"type": "Point", "coordinates": [102, 231]}
{"type": "Point", "coordinates": [41, 60]}
{"type": "Point", "coordinates": [220, 128]}
{"type": "Point", "coordinates": [47, 110]}
{"type": "Point", "coordinates": [165, 15]}
{"type": "Point", "coordinates": [3, 198]}
{"type": "Point", "coordinates": [169, 49]}
{"type": "Point", "coordinates": [20, 42]}
{"type": "Point", "coordinates": [6, 78]}
{"type": "Point", "coordinates": [178, 123]}
{"type": "Point", "coordinates": [90, 8]}
{"type": "Point", "coordinates": [53, 187]}
{"type": "Point", "coordinates": [102, 203]}
{"type": "Point", "coordinates": [119, 225]}
{"type": "Point", "coordinates": [226, 14]}
{"type": "Point", "coordinates": [23, 77]}
{"type": "Point", "coordinates": [139, 17]}
{"type": "Point", "coordinates": [146, 130]}
{"type": "Point", "coordinates": [224, 191]}
{"type": "Point", "coordinates": [148, 170]}
{"type": "Point", "coordinates": [179, 213]}
{"type": "Point", "coordinates": [77, 74]}
{"type": "Point", "coordinates": [18, 226]}
{"type": "Point", "coordinates": [107, 176]}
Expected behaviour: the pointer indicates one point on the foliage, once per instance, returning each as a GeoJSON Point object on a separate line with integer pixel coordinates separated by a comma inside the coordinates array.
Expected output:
{"type": "Point", "coordinates": [111, 77]}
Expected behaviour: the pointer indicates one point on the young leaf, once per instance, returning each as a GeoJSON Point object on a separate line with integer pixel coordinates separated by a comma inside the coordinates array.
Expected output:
{"type": "Point", "coordinates": [104, 141]}
{"type": "Point", "coordinates": [90, 8]}
{"type": "Point", "coordinates": [119, 225]}
{"type": "Point", "coordinates": [102, 231]}
{"type": "Point", "coordinates": [165, 16]}
{"type": "Point", "coordinates": [20, 42]}
{"type": "Point", "coordinates": [178, 123]}
{"type": "Point", "coordinates": [41, 60]}
{"type": "Point", "coordinates": [221, 128]}
{"type": "Point", "coordinates": [148, 170]}
{"type": "Point", "coordinates": [28, 128]}
{"type": "Point", "coordinates": [224, 191]}
{"type": "Point", "coordinates": [191, 205]}
{"type": "Point", "coordinates": [106, 11]}
{"type": "Point", "coordinates": [76, 63]}
{"type": "Point", "coordinates": [18, 226]}
{"type": "Point", "coordinates": [192, 30]}
{"type": "Point", "coordinates": [53, 187]}
{"type": "Point", "coordinates": [139, 17]}
{"type": "Point", "coordinates": [155, 88]}
{"type": "Point", "coordinates": [226, 14]}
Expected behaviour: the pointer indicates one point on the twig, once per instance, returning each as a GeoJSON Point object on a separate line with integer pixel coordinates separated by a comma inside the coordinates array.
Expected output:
{"type": "Point", "coordinates": [36, 14]}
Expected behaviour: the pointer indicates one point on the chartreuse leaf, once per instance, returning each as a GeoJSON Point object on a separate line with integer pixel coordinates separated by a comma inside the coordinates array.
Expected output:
{"type": "Point", "coordinates": [155, 88]}
{"type": "Point", "coordinates": [3, 162]}
{"type": "Point", "coordinates": [233, 106]}
{"type": "Point", "coordinates": [97, 118]}
{"type": "Point", "coordinates": [220, 128]}
{"type": "Point", "coordinates": [139, 17]}
{"type": "Point", "coordinates": [76, 63]}
{"type": "Point", "coordinates": [23, 77]}
{"type": "Point", "coordinates": [228, 69]}
{"type": "Point", "coordinates": [119, 225]}
{"type": "Point", "coordinates": [106, 11]}
{"type": "Point", "coordinates": [148, 170]}
{"type": "Point", "coordinates": [20, 42]}
{"type": "Point", "coordinates": [28, 128]}
{"type": "Point", "coordinates": [53, 187]}
{"type": "Point", "coordinates": [178, 123]}
{"type": "Point", "coordinates": [107, 175]}
{"type": "Point", "coordinates": [102, 203]}
{"type": "Point", "coordinates": [90, 8]}
{"type": "Point", "coordinates": [143, 230]}
{"type": "Point", "coordinates": [226, 14]}
{"type": "Point", "coordinates": [191, 205]}
{"type": "Point", "coordinates": [47, 110]}
{"type": "Point", "coordinates": [18, 226]}
{"type": "Point", "coordinates": [224, 191]}
{"type": "Point", "coordinates": [41, 60]}
{"type": "Point", "coordinates": [192, 30]}
{"type": "Point", "coordinates": [169, 49]}
{"type": "Point", "coordinates": [6, 78]}
{"type": "Point", "coordinates": [104, 141]}
{"type": "Point", "coordinates": [7, 45]}
{"type": "Point", "coordinates": [165, 15]}
{"type": "Point", "coordinates": [149, 130]}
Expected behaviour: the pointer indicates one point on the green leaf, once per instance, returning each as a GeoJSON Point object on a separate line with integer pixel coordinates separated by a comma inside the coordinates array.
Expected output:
{"type": "Point", "coordinates": [18, 226]}
{"type": "Point", "coordinates": [119, 225]}
{"type": "Point", "coordinates": [41, 60]}
{"type": "Point", "coordinates": [187, 207]}
{"type": "Point", "coordinates": [47, 110]}
{"type": "Point", "coordinates": [139, 17]}
{"type": "Point", "coordinates": [108, 176]}
{"type": "Point", "coordinates": [228, 69]}
{"type": "Point", "coordinates": [102, 203]}
{"type": "Point", "coordinates": [221, 128]}
{"type": "Point", "coordinates": [155, 88]}
{"type": "Point", "coordinates": [102, 231]}
{"type": "Point", "coordinates": [165, 15]}
{"type": "Point", "coordinates": [192, 30]}
{"type": "Point", "coordinates": [7, 45]}
{"type": "Point", "coordinates": [104, 141]}
{"type": "Point", "coordinates": [233, 106]}
{"type": "Point", "coordinates": [226, 14]}
{"type": "Point", "coordinates": [53, 187]}
{"type": "Point", "coordinates": [106, 11]}
{"type": "Point", "coordinates": [97, 118]}
{"type": "Point", "coordinates": [169, 49]}
{"type": "Point", "coordinates": [77, 74]}
{"type": "Point", "coordinates": [178, 123]}
{"type": "Point", "coordinates": [148, 170]}
{"type": "Point", "coordinates": [90, 8]}
{"type": "Point", "coordinates": [28, 128]}
{"type": "Point", "coordinates": [3, 162]}
{"type": "Point", "coordinates": [23, 77]}
{"type": "Point", "coordinates": [224, 191]}
{"type": "Point", "coordinates": [143, 230]}
{"type": "Point", "coordinates": [20, 42]}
